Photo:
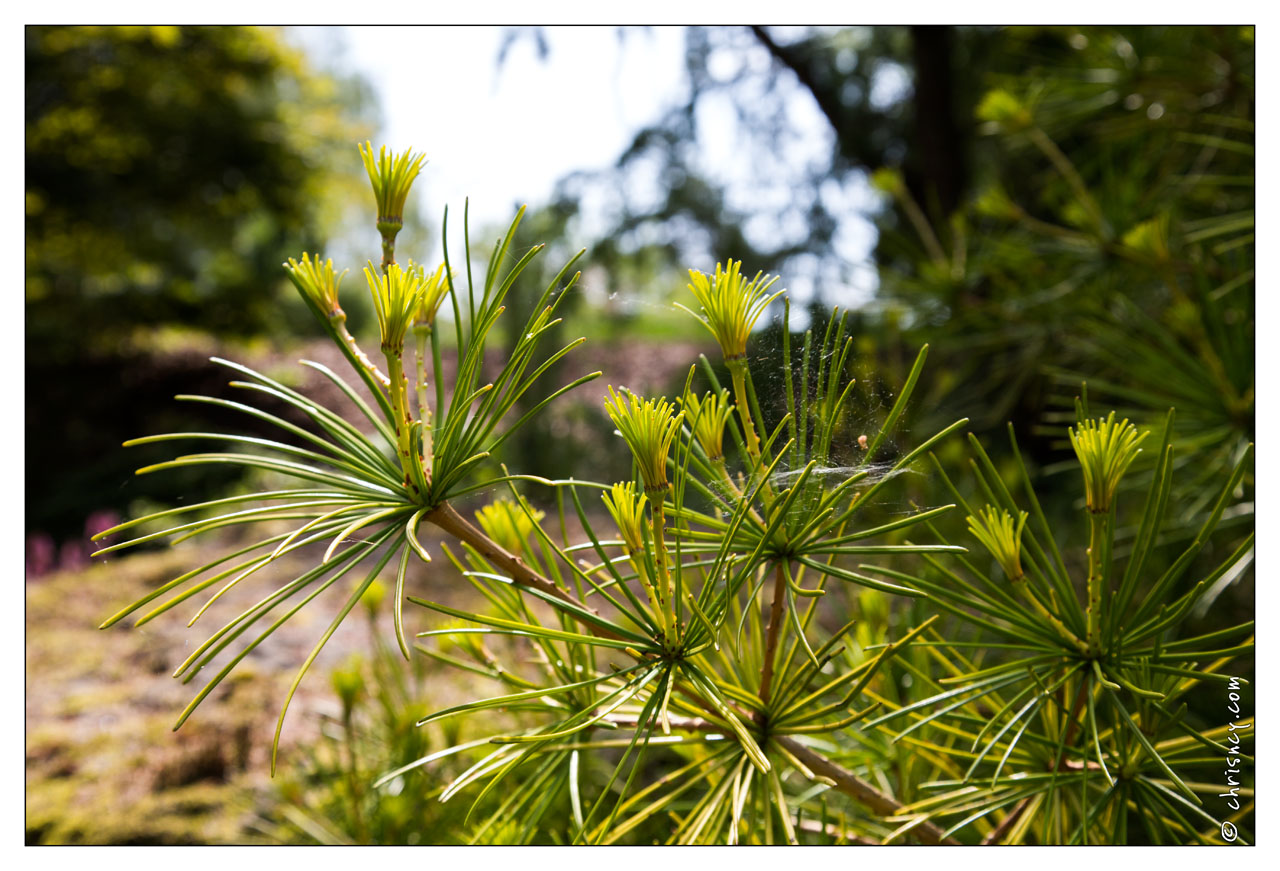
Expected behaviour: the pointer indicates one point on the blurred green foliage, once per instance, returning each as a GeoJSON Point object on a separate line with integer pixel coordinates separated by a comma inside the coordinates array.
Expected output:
{"type": "Point", "coordinates": [169, 171]}
{"type": "Point", "coordinates": [1112, 182]}
{"type": "Point", "coordinates": [1108, 239]}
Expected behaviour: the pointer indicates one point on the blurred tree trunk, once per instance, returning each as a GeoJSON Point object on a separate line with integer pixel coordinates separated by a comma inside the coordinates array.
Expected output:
{"type": "Point", "coordinates": [935, 165]}
{"type": "Point", "coordinates": [936, 175]}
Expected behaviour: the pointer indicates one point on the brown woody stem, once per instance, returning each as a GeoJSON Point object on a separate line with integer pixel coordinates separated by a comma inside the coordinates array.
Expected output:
{"type": "Point", "coordinates": [857, 788]}
{"type": "Point", "coordinates": [1007, 823]}
{"type": "Point", "coordinates": [772, 632]}
{"type": "Point", "coordinates": [445, 517]}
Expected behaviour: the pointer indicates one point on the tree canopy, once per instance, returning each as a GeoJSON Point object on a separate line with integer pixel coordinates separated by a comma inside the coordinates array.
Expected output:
{"type": "Point", "coordinates": [168, 171]}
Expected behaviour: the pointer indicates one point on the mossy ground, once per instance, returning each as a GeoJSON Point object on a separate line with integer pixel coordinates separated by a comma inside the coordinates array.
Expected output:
{"type": "Point", "coordinates": [103, 764]}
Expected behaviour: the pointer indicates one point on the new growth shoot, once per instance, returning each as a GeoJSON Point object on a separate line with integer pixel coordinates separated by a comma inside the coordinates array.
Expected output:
{"type": "Point", "coordinates": [391, 176]}
{"type": "Point", "coordinates": [730, 307]}
{"type": "Point", "coordinates": [1105, 450]}
{"type": "Point", "coordinates": [649, 427]}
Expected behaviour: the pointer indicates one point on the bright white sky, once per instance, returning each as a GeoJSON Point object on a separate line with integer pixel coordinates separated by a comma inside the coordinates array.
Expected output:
{"type": "Point", "coordinates": [441, 92]}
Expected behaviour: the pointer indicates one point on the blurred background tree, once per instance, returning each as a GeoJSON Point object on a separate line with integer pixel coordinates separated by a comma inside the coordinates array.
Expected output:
{"type": "Point", "coordinates": [169, 172]}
